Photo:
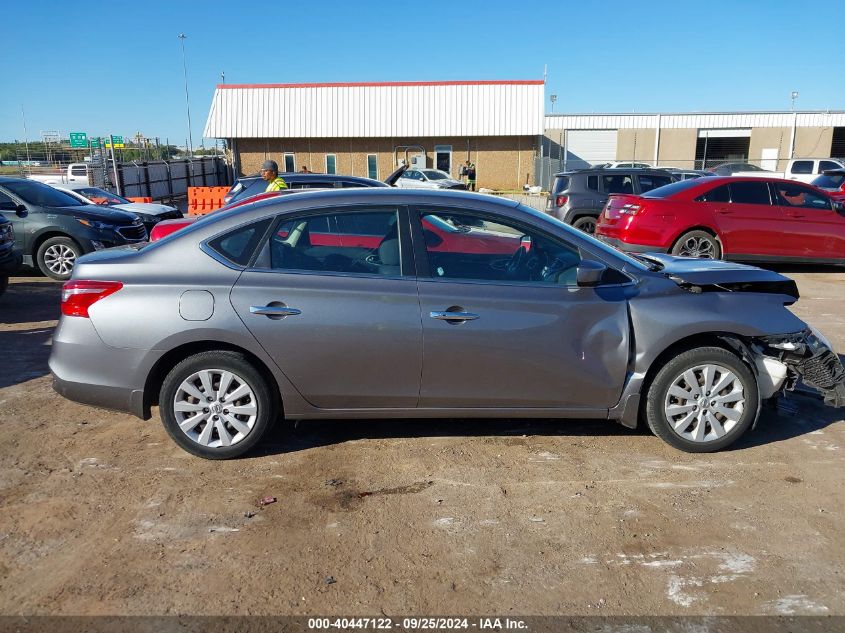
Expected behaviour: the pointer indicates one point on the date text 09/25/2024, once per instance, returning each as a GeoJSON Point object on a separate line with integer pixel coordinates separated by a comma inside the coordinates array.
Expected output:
{"type": "Point", "coordinates": [422, 624]}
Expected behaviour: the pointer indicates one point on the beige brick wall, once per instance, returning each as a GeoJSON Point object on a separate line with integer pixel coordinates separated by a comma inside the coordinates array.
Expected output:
{"type": "Point", "coordinates": [635, 144]}
{"type": "Point", "coordinates": [502, 162]}
{"type": "Point", "coordinates": [769, 138]}
{"type": "Point", "coordinates": [677, 147]}
{"type": "Point", "coordinates": [813, 142]}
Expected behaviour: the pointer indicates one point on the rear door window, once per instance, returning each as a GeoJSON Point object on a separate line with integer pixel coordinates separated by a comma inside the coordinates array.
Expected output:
{"type": "Point", "coordinates": [623, 183]}
{"type": "Point", "coordinates": [750, 193]}
{"type": "Point", "coordinates": [362, 242]}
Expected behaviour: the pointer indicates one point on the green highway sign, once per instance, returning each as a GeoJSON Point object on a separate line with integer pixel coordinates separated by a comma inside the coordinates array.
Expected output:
{"type": "Point", "coordinates": [95, 141]}
{"type": "Point", "coordinates": [117, 140]}
{"type": "Point", "coordinates": [78, 139]}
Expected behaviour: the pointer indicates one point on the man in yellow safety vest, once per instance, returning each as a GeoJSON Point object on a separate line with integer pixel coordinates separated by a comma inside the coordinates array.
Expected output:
{"type": "Point", "coordinates": [270, 173]}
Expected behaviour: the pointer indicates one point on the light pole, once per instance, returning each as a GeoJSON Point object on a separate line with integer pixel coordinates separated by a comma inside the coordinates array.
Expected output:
{"type": "Point", "coordinates": [553, 98]}
{"type": "Point", "coordinates": [182, 37]}
{"type": "Point", "coordinates": [793, 95]}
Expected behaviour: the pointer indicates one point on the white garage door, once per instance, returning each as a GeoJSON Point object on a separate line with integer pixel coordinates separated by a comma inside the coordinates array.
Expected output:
{"type": "Point", "coordinates": [589, 147]}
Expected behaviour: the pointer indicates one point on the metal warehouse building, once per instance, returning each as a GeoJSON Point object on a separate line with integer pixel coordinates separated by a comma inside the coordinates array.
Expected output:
{"type": "Point", "coordinates": [692, 140]}
{"type": "Point", "coordinates": [364, 129]}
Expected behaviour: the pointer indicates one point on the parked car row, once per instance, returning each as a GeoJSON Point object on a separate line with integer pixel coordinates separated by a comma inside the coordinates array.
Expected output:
{"type": "Point", "coordinates": [376, 302]}
{"type": "Point", "coordinates": [740, 218]}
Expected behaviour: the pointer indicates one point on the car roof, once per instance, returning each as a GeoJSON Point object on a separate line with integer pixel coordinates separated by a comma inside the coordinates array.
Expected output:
{"type": "Point", "coordinates": [291, 176]}
{"type": "Point", "coordinates": [613, 170]}
{"type": "Point", "coordinates": [15, 179]}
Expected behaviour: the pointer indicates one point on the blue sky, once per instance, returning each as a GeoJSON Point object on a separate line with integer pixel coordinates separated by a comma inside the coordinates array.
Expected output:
{"type": "Point", "coordinates": [115, 67]}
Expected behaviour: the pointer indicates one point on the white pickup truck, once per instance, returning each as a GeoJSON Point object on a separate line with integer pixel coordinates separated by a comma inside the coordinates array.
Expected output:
{"type": "Point", "coordinates": [801, 169]}
{"type": "Point", "coordinates": [76, 172]}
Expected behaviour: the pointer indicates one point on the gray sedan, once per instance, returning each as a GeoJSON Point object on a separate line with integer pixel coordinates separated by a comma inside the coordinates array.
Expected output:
{"type": "Point", "coordinates": [378, 303]}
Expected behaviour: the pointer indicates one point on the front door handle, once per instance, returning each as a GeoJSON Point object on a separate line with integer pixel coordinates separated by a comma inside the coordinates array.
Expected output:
{"type": "Point", "coordinates": [724, 211]}
{"type": "Point", "coordinates": [278, 310]}
{"type": "Point", "coordinates": [453, 316]}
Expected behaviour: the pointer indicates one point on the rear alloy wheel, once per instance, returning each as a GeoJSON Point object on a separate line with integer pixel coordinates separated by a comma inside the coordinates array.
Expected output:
{"type": "Point", "coordinates": [585, 223]}
{"type": "Point", "coordinates": [698, 244]}
{"type": "Point", "coordinates": [216, 405]}
{"type": "Point", "coordinates": [702, 400]}
{"type": "Point", "coordinates": [57, 256]}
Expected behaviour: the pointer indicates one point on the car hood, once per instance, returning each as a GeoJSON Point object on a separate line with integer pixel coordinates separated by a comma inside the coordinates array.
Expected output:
{"type": "Point", "coordinates": [147, 208]}
{"type": "Point", "coordinates": [707, 275]}
{"type": "Point", "coordinates": [98, 213]}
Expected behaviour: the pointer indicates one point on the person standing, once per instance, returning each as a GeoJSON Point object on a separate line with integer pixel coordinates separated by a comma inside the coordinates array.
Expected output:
{"type": "Point", "coordinates": [470, 176]}
{"type": "Point", "coordinates": [270, 173]}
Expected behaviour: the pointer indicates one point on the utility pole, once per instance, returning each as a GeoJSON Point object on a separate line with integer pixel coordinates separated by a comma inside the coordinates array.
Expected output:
{"type": "Point", "coordinates": [182, 37]}
{"type": "Point", "coordinates": [25, 138]}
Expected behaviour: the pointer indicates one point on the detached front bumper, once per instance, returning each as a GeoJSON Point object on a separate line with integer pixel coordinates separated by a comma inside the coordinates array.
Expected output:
{"type": "Point", "coordinates": [808, 358]}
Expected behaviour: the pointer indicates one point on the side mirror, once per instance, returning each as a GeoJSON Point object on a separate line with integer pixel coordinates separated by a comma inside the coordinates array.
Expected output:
{"type": "Point", "coordinates": [21, 211]}
{"type": "Point", "coordinates": [590, 273]}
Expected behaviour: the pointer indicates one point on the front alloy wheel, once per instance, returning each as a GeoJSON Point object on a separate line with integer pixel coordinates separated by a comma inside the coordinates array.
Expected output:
{"type": "Point", "coordinates": [702, 400]}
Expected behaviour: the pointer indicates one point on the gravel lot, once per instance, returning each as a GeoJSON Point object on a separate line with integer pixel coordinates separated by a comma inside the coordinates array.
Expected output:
{"type": "Point", "coordinates": [101, 513]}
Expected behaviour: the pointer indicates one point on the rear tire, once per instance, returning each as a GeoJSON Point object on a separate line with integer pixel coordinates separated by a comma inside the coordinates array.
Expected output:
{"type": "Point", "coordinates": [586, 223]}
{"type": "Point", "coordinates": [216, 405]}
{"type": "Point", "coordinates": [699, 244]}
{"type": "Point", "coordinates": [57, 256]}
{"type": "Point", "coordinates": [702, 400]}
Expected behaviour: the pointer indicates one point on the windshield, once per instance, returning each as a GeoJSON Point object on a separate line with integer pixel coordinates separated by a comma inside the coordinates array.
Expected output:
{"type": "Point", "coordinates": [41, 195]}
{"type": "Point", "coordinates": [96, 194]}
{"type": "Point", "coordinates": [833, 181]}
{"type": "Point", "coordinates": [432, 174]}
{"type": "Point", "coordinates": [667, 191]}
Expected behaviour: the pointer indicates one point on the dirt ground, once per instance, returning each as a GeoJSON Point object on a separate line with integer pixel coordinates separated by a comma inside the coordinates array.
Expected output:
{"type": "Point", "coordinates": [101, 513]}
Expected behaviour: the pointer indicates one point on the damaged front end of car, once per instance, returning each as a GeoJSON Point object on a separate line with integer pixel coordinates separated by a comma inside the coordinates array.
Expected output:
{"type": "Point", "coordinates": [785, 360]}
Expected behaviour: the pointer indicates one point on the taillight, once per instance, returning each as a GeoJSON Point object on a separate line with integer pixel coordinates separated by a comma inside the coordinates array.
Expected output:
{"type": "Point", "coordinates": [630, 209]}
{"type": "Point", "coordinates": [561, 200]}
{"type": "Point", "coordinates": [78, 296]}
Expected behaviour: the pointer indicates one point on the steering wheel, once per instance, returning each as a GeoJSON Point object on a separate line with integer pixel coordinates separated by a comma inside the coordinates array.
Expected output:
{"type": "Point", "coordinates": [515, 265]}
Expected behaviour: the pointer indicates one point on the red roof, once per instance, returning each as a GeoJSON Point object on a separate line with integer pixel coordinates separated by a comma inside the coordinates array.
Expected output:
{"type": "Point", "coordinates": [491, 82]}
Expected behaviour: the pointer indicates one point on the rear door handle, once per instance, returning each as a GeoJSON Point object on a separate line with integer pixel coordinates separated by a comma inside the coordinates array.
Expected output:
{"type": "Point", "coordinates": [453, 316]}
{"type": "Point", "coordinates": [274, 310]}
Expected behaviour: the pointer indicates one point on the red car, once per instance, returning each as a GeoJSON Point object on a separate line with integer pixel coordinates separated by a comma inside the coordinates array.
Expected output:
{"type": "Point", "coordinates": [747, 219]}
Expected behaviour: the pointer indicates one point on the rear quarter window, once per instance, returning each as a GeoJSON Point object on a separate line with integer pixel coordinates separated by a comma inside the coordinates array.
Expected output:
{"type": "Point", "coordinates": [561, 184]}
{"type": "Point", "coordinates": [238, 245]}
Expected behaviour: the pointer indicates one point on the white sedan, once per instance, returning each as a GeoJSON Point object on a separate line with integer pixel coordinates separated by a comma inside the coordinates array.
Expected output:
{"type": "Point", "coordinates": [428, 179]}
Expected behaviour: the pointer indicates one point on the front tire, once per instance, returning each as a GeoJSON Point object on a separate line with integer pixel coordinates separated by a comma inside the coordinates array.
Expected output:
{"type": "Point", "coordinates": [699, 244]}
{"type": "Point", "coordinates": [216, 405]}
{"type": "Point", "coordinates": [702, 400]}
{"type": "Point", "coordinates": [57, 256]}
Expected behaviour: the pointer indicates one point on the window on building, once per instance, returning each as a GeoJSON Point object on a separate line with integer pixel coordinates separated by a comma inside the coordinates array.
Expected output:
{"type": "Point", "coordinates": [290, 162]}
{"type": "Point", "coordinates": [331, 164]}
{"type": "Point", "coordinates": [372, 166]}
{"type": "Point", "coordinates": [837, 145]}
{"type": "Point", "coordinates": [443, 158]}
{"type": "Point", "coordinates": [711, 151]}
